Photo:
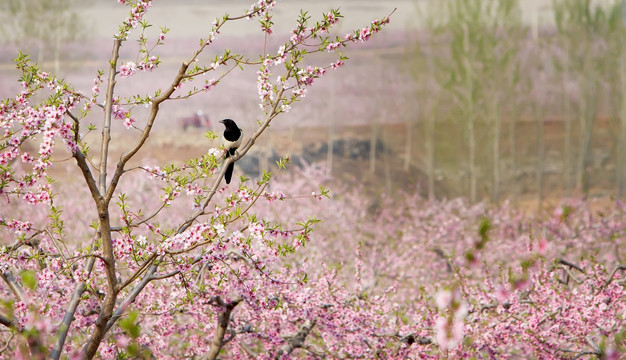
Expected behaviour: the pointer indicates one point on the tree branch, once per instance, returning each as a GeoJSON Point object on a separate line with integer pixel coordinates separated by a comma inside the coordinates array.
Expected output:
{"type": "Point", "coordinates": [138, 272]}
{"type": "Point", "coordinates": [610, 278]}
{"type": "Point", "coordinates": [106, 129]}
{"type": "Point", "coordinates": [64, 327]}
{"type": "Point", "coordinates": [131, 297]}
{"type": "Point", "coordinates": [222, 324]}
{"type": "Point", "coordinates": [102, 204]}
{"type": "Point", "coordinates": [6, 322]}
{"type": "Point", "coordinates": [297, 341]}
{"type": "Point", "coordinates": [240, 153]}
{"type": "Point", "coordinates": [119, 171]}
{"type": "Point", "coordinates": [81, 161]}
{"type": "Point", "coordinates": [14, 286]}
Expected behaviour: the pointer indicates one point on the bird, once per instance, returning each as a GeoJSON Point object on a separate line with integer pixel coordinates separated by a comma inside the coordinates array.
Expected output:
{"type": "Point", "coordinates": [232, 140]}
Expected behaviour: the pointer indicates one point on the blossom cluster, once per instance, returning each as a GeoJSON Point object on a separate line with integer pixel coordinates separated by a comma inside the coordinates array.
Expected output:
{"type": "Point", "coordinates": [48, 121]}
{"type": "Point", "coordinates": [297, 48]}
{"type": "Point", "coordinates": [137, 12]}
{"type": "Point", "coordinates": [449, 327]}
{"type": "Point", "coordinates": [366, 33]}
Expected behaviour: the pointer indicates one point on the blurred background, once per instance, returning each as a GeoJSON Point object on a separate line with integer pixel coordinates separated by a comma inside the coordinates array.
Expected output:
{"type": "Point", "coordinates": [484, 99]}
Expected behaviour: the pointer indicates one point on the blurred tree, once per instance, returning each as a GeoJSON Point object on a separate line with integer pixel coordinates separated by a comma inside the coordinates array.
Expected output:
{"type": "Point", "coordinates": [419, 62]}
{"type": "Point", "coordinates": [475, 49]}
{"type": "Point", "coordinates": [582, 32]}
{"type": "Point", "coordinates": [621, 157]}
{"type": "Point", "coordinates": [616, 76]}
{"type": "Point", "coordinates": [41, 24]}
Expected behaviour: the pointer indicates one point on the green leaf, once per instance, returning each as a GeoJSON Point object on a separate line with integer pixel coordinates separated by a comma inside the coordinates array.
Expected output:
{"type": "Point", "coordinates": [128, 324]}
{"type": "Point", "coordinates": [29, 279]}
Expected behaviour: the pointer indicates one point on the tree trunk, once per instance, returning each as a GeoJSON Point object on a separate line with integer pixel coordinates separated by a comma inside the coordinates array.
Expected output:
{"type": "Point", "coordinates": [539, 121]}
{"type": "Point", "coordinates": [621, 152]}
{"type": "Point", "coordinates": [567, 150]}
{"type": "Point", "coordinates": [408, 140]}
{"type": "Point", "coordinates": [386, 163]}
{"type": "Point", "coordinates": [373, 138]}
{"type": "Point", "coordinates": [331, 129]}
{"type": "Point", "coordinates": [470, 119]}
{"type": "Point", "coordinates": [430, 151]}
{"type": "Point", "coordinates": [587, 117]}
{"type": "Point", "coordinates": [513, 150]}
{"type": "Point", "coordinates": [497, 128]}
{"type": "Point", "coordinates": [57, 52]}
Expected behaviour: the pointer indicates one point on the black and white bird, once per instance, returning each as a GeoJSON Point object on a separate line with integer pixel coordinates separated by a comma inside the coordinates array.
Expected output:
{"type": "Point", "coordinates": [232, 140]}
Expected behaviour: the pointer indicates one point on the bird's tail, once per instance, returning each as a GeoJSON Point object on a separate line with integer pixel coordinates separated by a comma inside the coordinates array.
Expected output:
{"type": "Point", "coordinates": [229, 172]}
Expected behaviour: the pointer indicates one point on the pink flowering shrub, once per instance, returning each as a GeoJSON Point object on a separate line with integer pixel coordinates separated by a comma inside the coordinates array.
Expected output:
{"type": "Point", "coordinates": [477, 280]}
{"type": "Point", "coordinates": [163, 261]}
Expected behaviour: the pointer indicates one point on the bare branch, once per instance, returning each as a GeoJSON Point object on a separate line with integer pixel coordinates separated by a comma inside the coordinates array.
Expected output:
{"type": "Point", "coordinates": [14, 286]}
{"type": "Point", "coordinates": [572, 265]}
{"type": "Point", "coordinates": [297, 341]}
{"type": "Point", "coordinates": [64, 327]}
{"type": "Point", "coordinates": [131, 297]}
{"type": "Point", "coordinates": [138, 272]}
{"type": "Point", "coordinates": [165, 276]}
{"type": "Point", "coordinates": [6, 346]}
{"type": "Point", "coordinates": [29, 242]}
{"type": "Point", "coordinates": [144, 220]}
{"type": "Point", "coordinates": [106, 129]}
{"type": "Point", "coordinates": [119, 171]}
{"type": "Point", "coordinates": [248, 351]}
{"type": "Point", "coordinates": [611, 277]}
{"type": "Point", "coordinates": [81, 161]}
{"type": "Point", "coordinates": [6, 322]}
{"type": "Point", "coordinates": [222, 324]}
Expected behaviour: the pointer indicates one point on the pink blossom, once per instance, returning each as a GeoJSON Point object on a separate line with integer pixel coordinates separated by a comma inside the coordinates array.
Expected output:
{"type": "Point", "coordinates": [128, 69]}
{"type": "Point", "coordinates": [209, 84]}
{"type": "Point", "coordinates": [128, 122]}
{"type": "Point", "coordinates": [300, 92]}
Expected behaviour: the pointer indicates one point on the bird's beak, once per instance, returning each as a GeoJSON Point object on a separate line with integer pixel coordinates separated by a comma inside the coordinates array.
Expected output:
{"type": "Point", "coordinates": [221, 121]}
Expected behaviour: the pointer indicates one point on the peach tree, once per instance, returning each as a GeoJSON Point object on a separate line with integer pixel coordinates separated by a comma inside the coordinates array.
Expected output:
{"type": "Point", "coordinates": [125, 284]}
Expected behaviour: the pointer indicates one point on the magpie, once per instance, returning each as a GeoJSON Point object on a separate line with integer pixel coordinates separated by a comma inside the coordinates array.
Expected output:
{"type": "Point", "coordinates": [232, 139]}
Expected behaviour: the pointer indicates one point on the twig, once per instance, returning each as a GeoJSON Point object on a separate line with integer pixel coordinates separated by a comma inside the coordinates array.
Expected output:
{"type": "Point", "coordinates": [248, 351]}
{"type": "Point", "coordinates": [569, 274]}
{"type": "Point", "coordinates": [138, 272]}
{"type": "Point", "coordinates": [573, 266]}
{"type": "Point", "coordinates": [119, 171]}
{"type": "Point", "coordinates": [131, 297]}
{"type": "Point", "coordinates": [106, 129]}
{"type": "Point", "coordinates": [165, 276]}
{"type": "Point", "coordinates": [610, 278]}
{"type": "Point", "coordinates": [6, 346]}
{"type": "Point", "coordinates": [144, 220]}
{"type": "Point", "coordinates": [28, 242]}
